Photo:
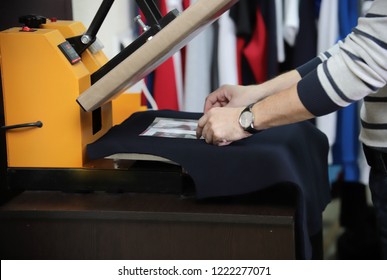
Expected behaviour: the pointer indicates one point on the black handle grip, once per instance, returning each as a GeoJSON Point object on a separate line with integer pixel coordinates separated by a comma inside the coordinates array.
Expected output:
{"type": "Point", "coordinates": [99, 18]}
{"type": "Point", "coordinates": [37, 124]}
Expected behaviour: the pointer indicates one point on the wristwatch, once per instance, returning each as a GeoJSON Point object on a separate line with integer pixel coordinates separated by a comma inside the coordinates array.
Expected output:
{"type": "Point", "coordinates": [246, 119]}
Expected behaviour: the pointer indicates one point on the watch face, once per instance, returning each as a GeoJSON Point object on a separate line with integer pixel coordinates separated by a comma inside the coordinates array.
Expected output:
{"type": "Point", "coordinates": [246, 119]}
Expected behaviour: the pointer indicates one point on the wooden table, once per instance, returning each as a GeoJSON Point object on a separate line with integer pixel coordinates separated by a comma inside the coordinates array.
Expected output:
{"type": "Point", "coordinates": [98, 225]}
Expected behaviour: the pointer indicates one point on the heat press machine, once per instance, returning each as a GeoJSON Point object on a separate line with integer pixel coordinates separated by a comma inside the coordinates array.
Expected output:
{"type": "Point", "coordinates": [60, 92]}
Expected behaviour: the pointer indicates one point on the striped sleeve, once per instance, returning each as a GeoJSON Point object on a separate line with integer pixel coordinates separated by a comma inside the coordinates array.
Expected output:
{"type": "Point", "coordinates": [309, 66]}
{"type": "Point", "coordinates": [353, 69]}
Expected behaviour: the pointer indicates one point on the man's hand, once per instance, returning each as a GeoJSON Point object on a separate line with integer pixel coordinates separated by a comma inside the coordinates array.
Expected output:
{"type": "Point", "coordinates": [229, 96]}
{"type": "Point", "coordinates": [220, 126]}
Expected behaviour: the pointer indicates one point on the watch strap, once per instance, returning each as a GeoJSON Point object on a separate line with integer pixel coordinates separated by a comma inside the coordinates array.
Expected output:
{"type": "Point", "coordinates": [250, 129]}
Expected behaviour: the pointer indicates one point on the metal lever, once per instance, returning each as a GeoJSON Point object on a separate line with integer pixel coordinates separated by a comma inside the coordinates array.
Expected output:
{"type": "Point", "coordinates": [82, 42]}
{"type": "Point", "coordinates": [154, 23]}
{"type": "Point", "coordinates": [91, 33]}
{"type": "Point", "coordinates": [37, 124]}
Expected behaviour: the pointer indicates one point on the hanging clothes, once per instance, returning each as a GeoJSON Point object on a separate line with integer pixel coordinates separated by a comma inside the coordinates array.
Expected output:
{"type": "Point", "coordinates": [291, 21]}
{"type": "Point", "coordinates": [346, 147]}
{"type": "Point", "coordinates": [305, 45]}
{"type": "Point", "coordinates": [279, 17]}
{"type": "Point", "coordinates": [244, 16]}
{"type": "Point", "coordinates": [198, 62]}
{"type": "Point", "coordinates": [177, 58]}
{"type": "Point", "coordinates": [256, 40]}
{"type": "Point", "coordinates": [227, 51]}
{"type": "Point", "coordinates": [254, 51]}
{"type": "Point", "coordinates": [165, 84]}
{"type": "Point", "coordinates": [268, 10]}
{"type": "Point", "coordinates": [328, 33]}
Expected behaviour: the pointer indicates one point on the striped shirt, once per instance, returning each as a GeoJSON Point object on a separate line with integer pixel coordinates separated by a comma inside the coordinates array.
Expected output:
{"type": "Point", "coordinates": [352, 70]}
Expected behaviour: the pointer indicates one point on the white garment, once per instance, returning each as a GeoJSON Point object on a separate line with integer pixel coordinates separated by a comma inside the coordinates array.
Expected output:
{"type": "Point", "coordinates": [328, 33]}
{"type": "Point", "coordinates": [227, 53]}
{"type": "Point", "coordinates": [291, 21]}
{"type": "Point", "coordinates": [328, 25]}
{"type": "Point", "coordinates": [197, 70]}
{"type": "Point", "coordinates": [279, 13]}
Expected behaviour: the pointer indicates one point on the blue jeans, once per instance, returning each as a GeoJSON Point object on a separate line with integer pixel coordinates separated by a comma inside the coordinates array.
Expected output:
{"type": "Point", "coordinates": [378, 187]}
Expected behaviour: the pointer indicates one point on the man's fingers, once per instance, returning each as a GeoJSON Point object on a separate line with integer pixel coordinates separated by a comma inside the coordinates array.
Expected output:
{"type": "Point", "coordinates": [208, 134]}
{"type": "Point", "coordinates": [203, 129]}
{"type": "Point", "coordinates": [201, 123]}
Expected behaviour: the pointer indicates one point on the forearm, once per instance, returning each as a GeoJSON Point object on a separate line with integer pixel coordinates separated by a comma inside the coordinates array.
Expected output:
{"type": "Point", "coordinates": [282, 108]}
{"type": "Point", "coordinates": [275, 85]}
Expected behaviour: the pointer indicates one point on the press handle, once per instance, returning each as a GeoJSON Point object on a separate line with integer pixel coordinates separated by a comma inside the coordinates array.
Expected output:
{"type": "Point", "coordinates": [37, 124]}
